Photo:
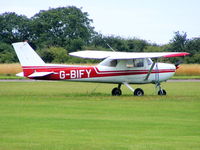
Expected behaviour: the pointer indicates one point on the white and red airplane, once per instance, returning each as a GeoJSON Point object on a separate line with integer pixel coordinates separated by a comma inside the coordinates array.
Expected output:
{"type": "Point", "coordinates": [117, 67]}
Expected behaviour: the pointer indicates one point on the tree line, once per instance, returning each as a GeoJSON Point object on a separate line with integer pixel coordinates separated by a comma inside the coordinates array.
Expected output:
{"type": "Point", "coordinates": [58, 31]}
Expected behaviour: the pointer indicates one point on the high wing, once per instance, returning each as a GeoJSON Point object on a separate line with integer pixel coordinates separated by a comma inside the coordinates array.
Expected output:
{"type": "Point", "coordinates": [94, 54]}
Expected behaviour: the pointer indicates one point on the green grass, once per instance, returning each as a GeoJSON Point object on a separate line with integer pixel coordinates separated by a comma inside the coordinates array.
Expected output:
{"type": "Point", "coordinates": [83, 116]}
{"type": "Point", "coordinates": [10, 76]}
{"type": "Point", "coordinates": [185, 77]}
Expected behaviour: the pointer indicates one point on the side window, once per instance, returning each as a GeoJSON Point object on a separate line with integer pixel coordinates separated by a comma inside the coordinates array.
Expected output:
{"type": "Point", "coordinates": [109, 63]}
{"type": "Point", "coordinates": [138, 62]}
{"type": "Point", "coordinates": [129, 63]}
{"type": "Point", "coordinates": [113, 63]}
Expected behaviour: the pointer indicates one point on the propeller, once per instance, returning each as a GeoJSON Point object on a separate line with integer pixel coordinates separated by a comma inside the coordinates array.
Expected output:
{"type": "Point", "coordinates": [178, 63]}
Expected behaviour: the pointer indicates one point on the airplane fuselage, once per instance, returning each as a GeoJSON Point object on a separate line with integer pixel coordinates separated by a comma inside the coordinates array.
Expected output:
{"type": "Point", "coordinates": [102, 74]}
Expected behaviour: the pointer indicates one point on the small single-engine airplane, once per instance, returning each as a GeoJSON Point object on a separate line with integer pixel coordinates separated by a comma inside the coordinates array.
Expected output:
{"type": "Point", "coordinates": [117, 67]}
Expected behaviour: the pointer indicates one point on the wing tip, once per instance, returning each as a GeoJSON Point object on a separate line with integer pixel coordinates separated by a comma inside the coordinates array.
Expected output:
{"type": "Point", "coordinates": [177, 54]}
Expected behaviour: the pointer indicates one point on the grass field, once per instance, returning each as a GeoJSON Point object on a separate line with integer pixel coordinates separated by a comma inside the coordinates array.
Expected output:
{"type": "Point", "coordinates": [188, 70]}
{"type": "Point", "coordinates": [83, 116]}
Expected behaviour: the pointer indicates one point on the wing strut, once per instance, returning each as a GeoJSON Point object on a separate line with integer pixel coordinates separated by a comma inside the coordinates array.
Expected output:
{"type": "Point", "coordinates": [128, 86]}
{"type": "Point", "coordinates": [148, 74]}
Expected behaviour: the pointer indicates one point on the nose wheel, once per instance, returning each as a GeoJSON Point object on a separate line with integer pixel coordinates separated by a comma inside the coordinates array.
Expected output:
{"type": "Point", "coordinates": [161, 91]}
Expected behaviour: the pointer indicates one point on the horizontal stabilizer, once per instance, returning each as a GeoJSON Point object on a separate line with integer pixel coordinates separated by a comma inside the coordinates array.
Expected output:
{"type": "Point", "coordinates": [93, 54]}
{"type": "Point", "coordinates": [21, 74]}
{"type": "Point", "coordinates": [40, 74]}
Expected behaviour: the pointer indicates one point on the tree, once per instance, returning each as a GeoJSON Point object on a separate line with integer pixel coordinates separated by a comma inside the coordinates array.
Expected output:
{"type": "Point", "coordinates": [136, 45]}
{"type": "Point", "coordinates": [154, 48]}
{"type": "Point", "coordinates": [67, 27]}
{"type": "Point", "coordinates": [193, 46]}
{"type": "Point", "coordinates": [179, 41]}
{"type": "Point", "coordinates": [118, 43]}
{"type": "Point", "coordinates": [13, 28]}
{"type": "Point", "coordinates": [178, 44]}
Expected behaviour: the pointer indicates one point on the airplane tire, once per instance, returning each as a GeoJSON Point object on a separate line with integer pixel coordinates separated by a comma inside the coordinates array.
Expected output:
{"type": "Point", "coordinates": [162, 92]}
{"type": "Point", "coordinates": [116, 92]}
{"type": "Point", "coordinates": [138, 92]}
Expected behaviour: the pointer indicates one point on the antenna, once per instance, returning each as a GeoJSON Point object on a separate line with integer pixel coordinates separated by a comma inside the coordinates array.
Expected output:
{"type": "Point", "coordinates": [109, 45]}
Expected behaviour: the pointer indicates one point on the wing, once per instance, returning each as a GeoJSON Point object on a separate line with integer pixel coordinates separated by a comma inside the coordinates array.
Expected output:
{"type": "Point", "coordinates": [124, 55]}
{"type": "Point", "coordinates": [92, 54]}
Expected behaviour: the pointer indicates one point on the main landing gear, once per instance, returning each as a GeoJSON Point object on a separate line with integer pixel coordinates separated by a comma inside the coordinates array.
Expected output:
{"type": "Point", "coordinates": [137, 92]}
{"type": "Point", "coordinates": [117, 90]}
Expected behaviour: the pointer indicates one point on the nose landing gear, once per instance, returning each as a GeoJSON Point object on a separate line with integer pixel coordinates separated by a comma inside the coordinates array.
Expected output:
{"type": "Point", "coordinates": [161, 91]}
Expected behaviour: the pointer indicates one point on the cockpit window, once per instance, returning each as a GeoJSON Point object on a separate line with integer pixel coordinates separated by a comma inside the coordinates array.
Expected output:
{"type": "Point", "coordinates": [138, 62]}
{"type": "Point", "coordinates": [113, 63]}
{"type": "Point", "coordinates": [135, 63]}
{"type": "Point", "coordinates": [109, 62]}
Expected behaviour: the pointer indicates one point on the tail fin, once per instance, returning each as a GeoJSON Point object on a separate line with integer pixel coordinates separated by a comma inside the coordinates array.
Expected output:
{"type": "Point", "coordinates": [26, 55]}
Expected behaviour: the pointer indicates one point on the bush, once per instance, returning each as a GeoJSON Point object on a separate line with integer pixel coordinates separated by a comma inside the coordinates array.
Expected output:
{"type": "Point", "coordinates": [7, 54]}
{"type": "Point", "coordinates": [54, 54]}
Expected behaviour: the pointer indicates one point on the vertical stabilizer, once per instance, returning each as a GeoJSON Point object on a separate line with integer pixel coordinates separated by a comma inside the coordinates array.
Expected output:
{"type": "Point", "coordinates": [26, 55]}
